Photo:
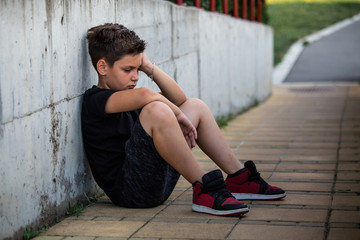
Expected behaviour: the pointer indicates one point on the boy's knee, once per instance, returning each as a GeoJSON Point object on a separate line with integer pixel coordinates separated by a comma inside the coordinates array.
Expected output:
{"type": "Point", "coordinates": [195, 103]}
{"type": "Point", "coordinates": [156, 114]}
{"type": "Point", "coordinates": [156, 111]}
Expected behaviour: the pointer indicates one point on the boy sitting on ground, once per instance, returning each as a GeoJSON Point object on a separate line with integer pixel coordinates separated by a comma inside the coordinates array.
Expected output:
{"type": "Point", "coordinates": [138, 141]}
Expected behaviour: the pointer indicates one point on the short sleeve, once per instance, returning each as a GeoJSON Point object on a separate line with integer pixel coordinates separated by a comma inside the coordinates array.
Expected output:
{"type": "Point", "coordinates": [95, 100]}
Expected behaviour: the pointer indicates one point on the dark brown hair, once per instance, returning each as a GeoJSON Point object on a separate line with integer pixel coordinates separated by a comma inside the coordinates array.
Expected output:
{"type": "Point", "coordinates": [112, 41]}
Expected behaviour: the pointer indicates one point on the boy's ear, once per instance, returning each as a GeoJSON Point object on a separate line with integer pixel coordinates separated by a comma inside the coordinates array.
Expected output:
{"type": "Point", "coordinates": [101, 67]}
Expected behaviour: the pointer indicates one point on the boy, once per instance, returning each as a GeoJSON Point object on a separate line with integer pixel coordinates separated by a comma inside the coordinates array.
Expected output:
{"type": "Point", "coordinates": [138, 141]}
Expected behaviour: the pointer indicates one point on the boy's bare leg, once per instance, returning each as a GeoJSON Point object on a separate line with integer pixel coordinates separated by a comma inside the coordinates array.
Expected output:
{"type": "Point", "coordinates": [210, 138]}
{"type": "Point", "coordinates": [159, 121]}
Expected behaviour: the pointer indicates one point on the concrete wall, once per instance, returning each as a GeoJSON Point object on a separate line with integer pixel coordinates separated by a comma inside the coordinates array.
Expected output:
{"type": "Point", "coordinates": [44, 69]}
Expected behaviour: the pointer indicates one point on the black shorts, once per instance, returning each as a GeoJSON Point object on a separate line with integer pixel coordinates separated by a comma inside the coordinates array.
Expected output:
{"type": "Point", "coordinates": [146, 179]}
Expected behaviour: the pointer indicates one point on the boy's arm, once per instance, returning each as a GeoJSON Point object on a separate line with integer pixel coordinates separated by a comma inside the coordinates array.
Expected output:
{"type": "Point", "coordinates": [132, 99]}
{"type": "Point", "coordinates": [169, 88]}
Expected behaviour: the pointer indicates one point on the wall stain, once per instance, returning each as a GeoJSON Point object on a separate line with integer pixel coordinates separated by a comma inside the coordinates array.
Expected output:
{"type": "Point", "coordinates": [55, 133]}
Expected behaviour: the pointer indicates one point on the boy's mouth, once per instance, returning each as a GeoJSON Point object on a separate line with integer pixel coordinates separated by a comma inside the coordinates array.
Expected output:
{"type": "Point", "coordinates": [132, 86]}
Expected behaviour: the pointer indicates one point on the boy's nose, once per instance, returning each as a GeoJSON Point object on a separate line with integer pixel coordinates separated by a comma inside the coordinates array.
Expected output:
{"type": "Point", "coordinates": [135, 76]}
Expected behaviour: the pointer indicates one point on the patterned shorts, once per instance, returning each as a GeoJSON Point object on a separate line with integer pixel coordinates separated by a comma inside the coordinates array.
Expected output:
{"type": "Point", "coordinates": [146, 179]}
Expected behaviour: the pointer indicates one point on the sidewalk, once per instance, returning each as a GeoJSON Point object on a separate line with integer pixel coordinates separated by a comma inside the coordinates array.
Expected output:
{"type": "Point", "coordinates": [305, 139]}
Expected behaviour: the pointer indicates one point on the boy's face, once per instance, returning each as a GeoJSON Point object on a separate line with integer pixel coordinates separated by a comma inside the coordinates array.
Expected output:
{"type": "Point", "coordinates": [123, 75]}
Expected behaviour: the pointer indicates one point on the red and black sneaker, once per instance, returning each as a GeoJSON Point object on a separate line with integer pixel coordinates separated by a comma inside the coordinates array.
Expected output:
{"type": "Point", "coordinates": [246, 184]}
{"type": "Point", "coordinates": [212, 197]}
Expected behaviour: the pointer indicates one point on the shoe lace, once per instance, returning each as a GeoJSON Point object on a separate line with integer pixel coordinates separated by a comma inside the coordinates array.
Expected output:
{"type": "Point", "coordinates": [255, 177]}
{"type": "Point", "coordinates": [222, 193]}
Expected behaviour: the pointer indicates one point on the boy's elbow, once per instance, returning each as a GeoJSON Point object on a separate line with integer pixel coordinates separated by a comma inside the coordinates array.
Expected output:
{"type": "Point", "coordinates": [147, 94]}
{"type": "Point", "coordinates": [180, 100]}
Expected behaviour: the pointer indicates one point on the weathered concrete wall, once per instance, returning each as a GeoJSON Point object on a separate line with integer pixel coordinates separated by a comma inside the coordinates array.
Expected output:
{"type": "Point", "coordinates": [44, 69]}
{"type": "Point", "coordinates": [235, 62]}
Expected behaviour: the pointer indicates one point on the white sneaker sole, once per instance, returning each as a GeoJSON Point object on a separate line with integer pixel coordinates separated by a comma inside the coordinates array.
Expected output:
{"type": "Point", "coordinates": [203, 209]}
{"type": "Point", "coordinates": [253, 196]}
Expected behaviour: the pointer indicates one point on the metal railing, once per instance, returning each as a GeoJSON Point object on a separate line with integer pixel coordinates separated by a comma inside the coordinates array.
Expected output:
{"type": "Point", "coordinates": [255, 5]}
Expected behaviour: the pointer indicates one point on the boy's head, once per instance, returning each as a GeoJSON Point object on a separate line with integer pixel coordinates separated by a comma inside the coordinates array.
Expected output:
{"type": "Point", "coordinates": [111, 42]}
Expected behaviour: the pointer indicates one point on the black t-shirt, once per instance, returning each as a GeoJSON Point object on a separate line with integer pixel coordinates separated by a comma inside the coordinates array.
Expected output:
{"type": "Point", "coordinates": [104, 136]}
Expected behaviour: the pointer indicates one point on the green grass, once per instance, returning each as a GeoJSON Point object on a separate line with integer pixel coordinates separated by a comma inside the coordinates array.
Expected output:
{"type": "Point", "coordinates": [30, 233]}
{"type": "Point", "coordinates": [295, 19]}
{"type": "Point", "coordinates": [222, 121]}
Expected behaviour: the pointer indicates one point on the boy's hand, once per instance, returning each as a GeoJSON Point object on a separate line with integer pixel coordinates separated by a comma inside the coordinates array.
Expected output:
{"type": "Point", "coordinates": [146, 64]}
{"type": "Point", "coordinates": [188, 129]}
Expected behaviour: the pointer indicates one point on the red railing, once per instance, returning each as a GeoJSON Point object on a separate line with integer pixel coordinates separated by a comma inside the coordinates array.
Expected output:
{"type": "Point", "coordinates": [197, 3]}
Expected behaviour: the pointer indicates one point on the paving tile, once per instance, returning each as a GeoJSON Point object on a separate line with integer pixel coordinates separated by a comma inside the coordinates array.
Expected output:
{"type": "Point", "coordinates": [41, 237]}
{"type": "Point", "coordinates": [174, 195]}
{"type": "Point", "coordinates": [354, 152]}
{"type": "Point", "coordinates": [265, 175]}
{"type": "Point", "coordinates": [303, 186]}
{"type": "Point", "coordinates": [233, 144]}
{"type": "Point", "coordinates": [185, 212]}
{"type": "Point", "coordinates": [184, 230]}
{"type": "Point", "coordinates": [303, 176]}
{"type": "Point", "coordinates": [106, 219]}
{"type": "Point", "coordinates": [116, 238]}
{"type": "Point", "coordinates": [186, 196]}
{"type": "Point", "coordinates": [299, 199]}
{"type": "Point", "coordinates": [207, 165]}
{"type": "Point", "coordinates": [286, 214]}
{"type": "Point", "coordinates": [350, 144]}
{"type": "Point", "coordinates": [304, 158]}
{"type": "Point", "coordinates": [271, 151]}
{"type": "Point", "coordinates": [309, 130]}
{"type": "Point", "coordinates": [191, 220]}
{"type": "Point", "coordinates": [272, 144]}
{"type": "Point", "coordinates": [270, 232]}
{"type": "Point", "coordinates": [348, 175]}
{"type": "Point", "coordinates": [276, 130]}
{"type": "Point", "coordinates": [347, 157]}
{"type": "Point", "coordinates": [292, 166]}
{"type": "Point", "coordinates": [339, 216]}
{"type": "Point", "coordinates": [79, 238]}
{"type": "Point", "coordinates": [182, 183]}
{"type": "Point", "coordinates": [346, 201]}
{"type": "Point", "coordinates": [94, 228]}
{"type": "Point", "coordinates": [310, 145]}
{"type": "Point", "coordinates": [111, 210]}
{"type": "Point", "coordinates": [308, 151]}
{"type": "Point", "coordinates": [317, 138]}
{"type": "Point", "coordinates": [199, 154]}
{"type": "Point", "coordinates": [80, 217]}
{"type": "Point", "coordinates": [344, 233]}
{"type": "Point", "coordinates": [347, 187]}
{"type": "Point", "coordinates": [179, 211]}
{"type": "Point", "coordinates": [261, 167]}
{"type": "Point", "coordinates": [353, 166]}
{"type": "Point", "coordinates": [257, 157]}
{"type": "Point", "coordinates": [236, 138]}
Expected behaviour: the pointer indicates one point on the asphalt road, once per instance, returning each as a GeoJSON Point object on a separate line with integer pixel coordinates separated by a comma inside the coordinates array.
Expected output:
{"type": "Point", "coordinates": [334, 58]}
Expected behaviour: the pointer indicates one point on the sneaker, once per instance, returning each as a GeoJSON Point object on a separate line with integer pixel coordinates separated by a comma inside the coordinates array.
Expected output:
{"type": "Point", "coordinates": [246, 184]}
{"type": "Point", "coordinates": [212, 197]}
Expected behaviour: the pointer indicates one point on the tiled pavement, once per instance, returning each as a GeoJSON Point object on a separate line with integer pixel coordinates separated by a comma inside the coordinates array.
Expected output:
{"type": "Point", "coordinates": [304, 138]}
